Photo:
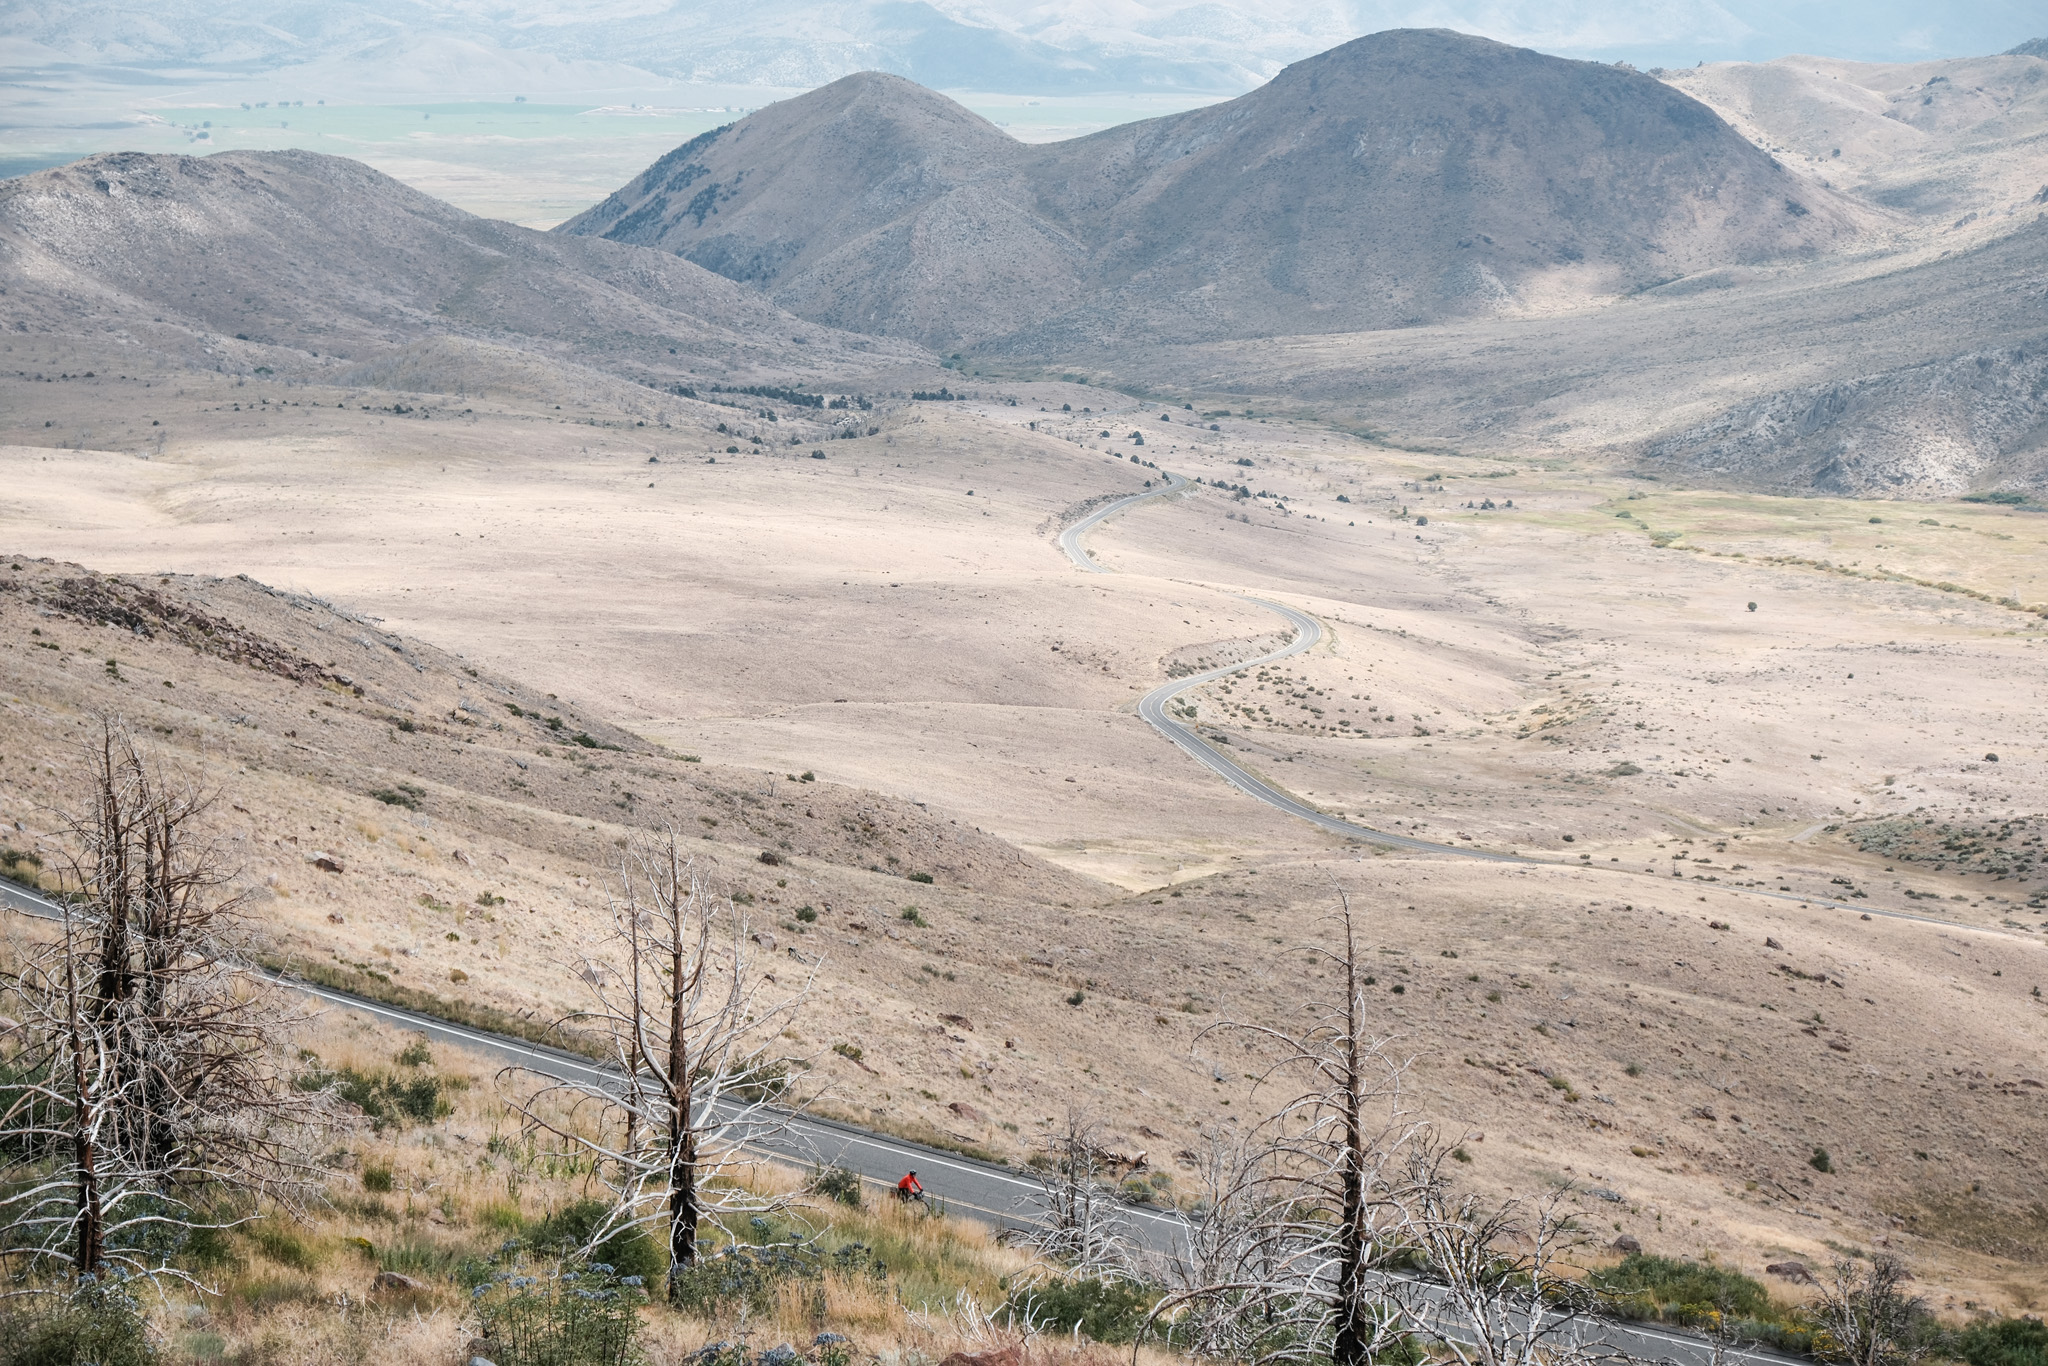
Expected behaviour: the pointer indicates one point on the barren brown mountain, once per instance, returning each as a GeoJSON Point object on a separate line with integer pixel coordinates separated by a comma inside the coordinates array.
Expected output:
{"type": "Point", "coordinates": [1405, 177]}
{"type": "Point", "coordinates": [313, 266]}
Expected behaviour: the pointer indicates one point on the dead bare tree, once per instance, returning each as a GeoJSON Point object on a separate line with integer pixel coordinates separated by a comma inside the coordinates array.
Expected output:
{"type": "Point", "coordinates": [1493, 1288]}
{"type": "Point", "coordinates": [1332, 1228]}
{"type": "Point", "coordinates": [1295, 1264]}
{"type": "Point", "coordinates": [692, 1032]}
{"type": "Point", "coordinates": [1075, 1220]}
{"type": "Point", "coordinates": [1229, 1280]}
{"type": "Point", "coordinates": [1865, 1317]}
{"type": "Point", "coordinates": [146, 1078]}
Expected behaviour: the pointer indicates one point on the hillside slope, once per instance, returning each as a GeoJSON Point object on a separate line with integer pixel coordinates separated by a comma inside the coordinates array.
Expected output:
{"type": "Point", "coordinates": [307, 264]}
{"type": "Point", "coordinates": [1410, 176]}
{"type": "Point", "coordinates": [403, 822]}
{"type": "Point", "coordinates": [1954, 144]}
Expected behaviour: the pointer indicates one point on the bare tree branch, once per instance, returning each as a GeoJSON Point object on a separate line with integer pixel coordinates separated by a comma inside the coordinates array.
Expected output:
{"type": "Point", "coordinates": [693, 1034]}
{"type": "Point", "coordinates": [1866, 1318]}
{"type": "Point", "coordinates": [145, 1077]}
{"type": "Point", "coordinates": [1075, 1220]}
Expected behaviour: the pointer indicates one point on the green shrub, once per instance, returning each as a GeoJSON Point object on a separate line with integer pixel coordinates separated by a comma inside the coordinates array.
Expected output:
{"type": "Point", "coordinates": [2004, 1342]}
{"type": "Point", "coordinates": [378, 1179]}
{"type": "Point", "coordinates": [575, 1318]}
{"type": "Point", "coordinates": [838, 1185]}
{"type": "Point", "coordinates": [1820, 1161]}
{"type": "Point", "coordinates": [208, 1248]}
{"type": "Point", "coordinates": [414, 1256]}
{"type": "Point", "coordinates": [1666, 1282]}
{"type": "Point", "coordinates": [387, 1099]}
{"type": "Point", "coordinates": [283, 1246]}
{"type": "Point", "coordinates": [19, 865]}
{"type": "Point", "coordinates": [1107, 1311]}
{"type": "Point", "coordinates": [629, 1251]}
{"type": "Point", "coordinates": [99, 1323]}
{"type": "Point", "coordinates": [921, 877]}
{"type": "Point", "coordinates": [753, 1275]}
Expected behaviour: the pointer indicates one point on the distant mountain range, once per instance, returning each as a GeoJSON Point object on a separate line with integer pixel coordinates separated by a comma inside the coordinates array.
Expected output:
{"type": "Point", "coordinates": [1444, 240]}
{"type": "Point", "coordinates": [1408, 177]}
{"type": "Point", "coordinates": [791, 44]}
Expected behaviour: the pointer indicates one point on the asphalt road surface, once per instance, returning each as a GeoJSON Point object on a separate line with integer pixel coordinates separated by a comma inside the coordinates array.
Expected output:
{"type": "Point", "coordinates": [986, 1192]}
{"type": "Point", "coordinates": [1156, 709]}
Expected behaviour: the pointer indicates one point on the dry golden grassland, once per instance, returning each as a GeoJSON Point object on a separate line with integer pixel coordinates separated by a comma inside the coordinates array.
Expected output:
{"type": "Point", "coordinates": [436, 1199]}
{"type": "Point", "coordinates": [1694, 776]}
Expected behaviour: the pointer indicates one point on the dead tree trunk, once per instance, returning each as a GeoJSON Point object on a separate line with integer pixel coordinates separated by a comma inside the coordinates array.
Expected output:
{"type": "Point", "coordinates": [150, 1055]}
{"type": "Point", "coordinates": [692, 1034]}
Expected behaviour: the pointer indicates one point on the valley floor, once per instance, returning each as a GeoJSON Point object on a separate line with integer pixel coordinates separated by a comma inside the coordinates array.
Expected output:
{"type": "Point", "coordinates": [878, 663]}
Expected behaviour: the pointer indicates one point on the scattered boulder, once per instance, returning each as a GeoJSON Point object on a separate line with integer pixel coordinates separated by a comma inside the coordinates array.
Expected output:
{"type": "Point", "coordinates": [959, 1022]}
{"type": "Point", "coordinates": [764, 939]}
{"type": "Point", "coordinates": [395, 1282]}
{"type": "Point", "coordinates": [326, 864]}
{"type": "Point", "coordinates": [1012, 1355]}
{"type": "Point", "coordinates": [967, 1112]}
{"type": "Point", "coordinates": [1790, 1271]}
{"type": "Point", "coordinates": [1602, 1193]}
{"type": "Point", "coordinates": [1627, 1245]}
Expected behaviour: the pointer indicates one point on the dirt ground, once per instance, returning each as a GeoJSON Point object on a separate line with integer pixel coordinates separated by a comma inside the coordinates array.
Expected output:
{"type": "Point", "coordinates": [1703, 712]}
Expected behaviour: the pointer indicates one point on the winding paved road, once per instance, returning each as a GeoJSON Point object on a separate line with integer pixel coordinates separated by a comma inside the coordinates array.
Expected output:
{"type": "Point", "coordinates": [988, 1192]}
{"type": "Point", "coordinates": [1154, 708]}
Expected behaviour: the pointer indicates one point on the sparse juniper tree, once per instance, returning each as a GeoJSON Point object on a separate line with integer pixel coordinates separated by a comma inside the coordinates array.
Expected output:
{"type": "Point", "coordinates": [693, 1031]}
{"type": "Point", "coordinates": [145, 1093]}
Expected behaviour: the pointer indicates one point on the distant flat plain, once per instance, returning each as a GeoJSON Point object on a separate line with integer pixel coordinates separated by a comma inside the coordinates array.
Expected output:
{"type": "Point", "coordinates": [533, 163]}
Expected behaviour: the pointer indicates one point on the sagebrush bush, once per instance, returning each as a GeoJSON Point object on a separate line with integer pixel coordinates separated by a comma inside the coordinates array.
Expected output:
{"type": "Point", "coordinates": [1107, 1311]}
{"type": "Point", "coordinates": [2004, 1342]}
{"type": "Point", "coordinates": [629, 1251]}
{"type": "Point", "coordinates": [100, 1323]}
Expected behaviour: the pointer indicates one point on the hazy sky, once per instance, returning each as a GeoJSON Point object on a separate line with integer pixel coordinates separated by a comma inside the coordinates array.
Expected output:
{"type": "Point", "coordinates": [1033, 46]}
{"type": "Point", "coordinates": [1650, 32]}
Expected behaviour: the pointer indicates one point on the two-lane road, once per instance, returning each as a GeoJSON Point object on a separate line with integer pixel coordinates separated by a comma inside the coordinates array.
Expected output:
{"type": "Point", "coordinates": [986, 1192]}
{"type": "Point", "coordinates": [1155, 708]}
